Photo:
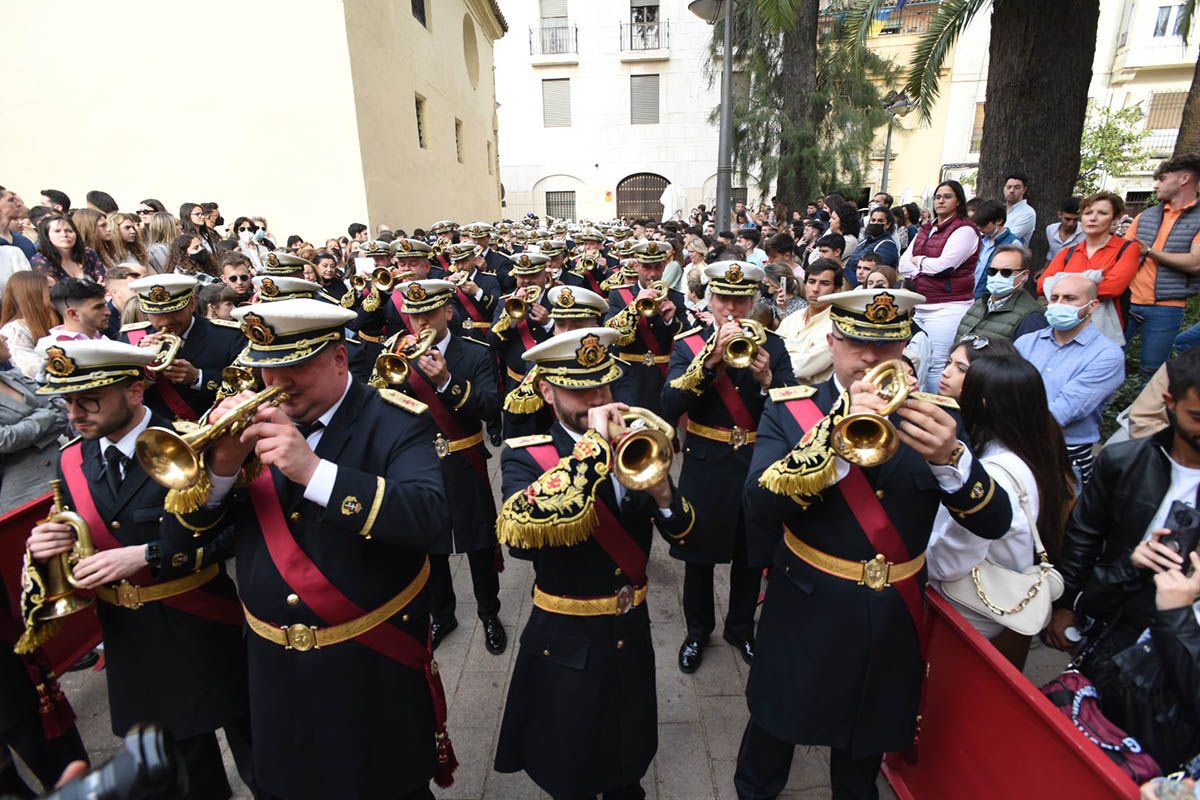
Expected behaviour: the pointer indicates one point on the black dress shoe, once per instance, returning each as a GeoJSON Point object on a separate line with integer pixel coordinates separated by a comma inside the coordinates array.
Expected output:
{"type": "Point", "coordinates": [690, 655]}
{"type": "Point", "coordinates": [496, 438]}
{"type": "Point", "coordinates": [745, 647]}
{"type": "Point", "coordinates": [440, 630]}
{"type": "Point", "coordinates": [86, 661]}
{"type": "Point", "coordinates": [494, 637]}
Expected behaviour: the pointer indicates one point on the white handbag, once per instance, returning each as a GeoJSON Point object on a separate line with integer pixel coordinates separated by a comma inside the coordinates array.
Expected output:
{"type": "Point", "coordinates": [1020, 601]}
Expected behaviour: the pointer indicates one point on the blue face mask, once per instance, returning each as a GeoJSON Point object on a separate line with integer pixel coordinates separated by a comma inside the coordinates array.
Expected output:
{"type": "Point", "coordinates": [1000, 286]}
{"type": "Point", "coordinates": [260, 234]}
{"type": "Point", "coordinates": [1063, 317]}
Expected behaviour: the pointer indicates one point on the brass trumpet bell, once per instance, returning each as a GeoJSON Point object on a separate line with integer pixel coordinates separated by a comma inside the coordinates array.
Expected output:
{"type": "Point", "coordinates": [383, 279]}
{"type": "Point", "coordinates": [642, 449]}
{"type": "Point", "coordinates": [61, 598]}
{"type": "Point", "coordinates": [869, 439]}
{"type": "Point", "coordinates": [516, 308]}
{"type": "Point", "coordinates": [395, 367]}
{"type": "Point", "coordinates": [174, 460]}
{"type": "Point", "coordinates": [169, 345]}
{"type": "Point", "coordinates": [648, 307]}
{"type": "Point", "coordinates": [741, 351]}
{"type": "Point", "coordinates": [358, 282]}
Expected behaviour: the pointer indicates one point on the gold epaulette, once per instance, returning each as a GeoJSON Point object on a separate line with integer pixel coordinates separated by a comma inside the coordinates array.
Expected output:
{"type": "Point", "coordinates": [68, 444]}
{"type": "Point", "coordinates": [688, 333]}
{"type": "Point", "coordinates": [135, 326]}
{"type": "Point", "coordinates": [783, 393]}
{"type": "Point", "coordinates": [226, 323]}
{"type": "Point", "coordinates": [936, 399]}
{"type": "Point", "coordinates": [528, 441]}
{"type": "Point", "coordinates": [401, 400]}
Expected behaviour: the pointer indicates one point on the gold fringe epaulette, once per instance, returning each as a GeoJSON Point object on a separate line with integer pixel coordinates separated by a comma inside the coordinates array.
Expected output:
{"type": "Point", "coordinates": [559, 508]}
{"type": "Point", "coordinates": [33, 598]}
{"type": "Point", "coordinates": [624, 322]}
{"type": "Point", "coordinates": [693, 376]}
{"type": "Point", "coordinates": [372, 301]}
{"type": "Point", "coordinates": [525, 399]}
{"type": "Point", "coordinates": [810, 467]}
{"type": "Point", "coordinates": [185, 501]}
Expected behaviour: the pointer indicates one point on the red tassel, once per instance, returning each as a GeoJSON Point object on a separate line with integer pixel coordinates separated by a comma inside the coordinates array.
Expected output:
{"type": "Point", "coordinates": [498, 559]}
{"type": "Point", "coordinates": [447, 761]}
{"type": "Point", "coordinates": [53, 707]}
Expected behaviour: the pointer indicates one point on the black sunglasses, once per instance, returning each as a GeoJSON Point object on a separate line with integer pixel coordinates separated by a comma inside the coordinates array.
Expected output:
{"type": "Point", "coordinates": [244, 228]}
{"type": "Point", "coordinates": [239, 278]}
{"type": "Point", "coordinates": [1004, 273]}
{"type": "Point", "coordinates": [145, 211]}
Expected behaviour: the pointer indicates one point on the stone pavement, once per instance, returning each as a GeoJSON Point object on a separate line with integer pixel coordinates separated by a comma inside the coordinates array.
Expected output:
{"type": "Point", "coordinates": [701, 716]}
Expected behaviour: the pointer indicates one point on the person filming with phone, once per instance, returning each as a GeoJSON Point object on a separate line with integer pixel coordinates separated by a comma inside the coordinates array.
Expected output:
{"type": "Point", "coordinates": [1132, 584]}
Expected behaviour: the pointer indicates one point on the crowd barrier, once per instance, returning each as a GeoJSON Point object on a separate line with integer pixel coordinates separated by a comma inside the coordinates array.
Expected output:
{"type": "Point", "coordinates": [80, 632]}
{"type": "Point", "coordinates": [987, 732]}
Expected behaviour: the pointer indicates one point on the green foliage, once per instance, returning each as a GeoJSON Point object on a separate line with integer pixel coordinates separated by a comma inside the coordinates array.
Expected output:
{"type": "Point", "coordinates": [1112, 145]}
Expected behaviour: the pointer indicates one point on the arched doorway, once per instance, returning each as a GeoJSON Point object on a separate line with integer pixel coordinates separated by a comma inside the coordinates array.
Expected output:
{"type": "Point", "coordinates": [637, 196]}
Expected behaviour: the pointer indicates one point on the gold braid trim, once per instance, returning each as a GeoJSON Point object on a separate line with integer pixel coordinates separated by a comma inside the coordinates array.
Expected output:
{"type": "Point", "coordinates": [625, 323]}
{"type": "Point", "coordinates": [693, 376]}
{"type": "Point", "coordinates": [372, 301]}
{"type": "Point", "coordinates": [811, 466]}
{"type": "Point", "coordinates": [185, 501]}
{"type": "Point", "coordinates": [559, 508]}
{"type": "Point", "coordinates": [33, 598]}
{"type": "Point", "coordinates": [525, 399]}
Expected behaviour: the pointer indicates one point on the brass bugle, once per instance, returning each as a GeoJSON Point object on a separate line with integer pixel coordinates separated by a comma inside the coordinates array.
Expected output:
{"type": "Point", "coordinates": [869, 439]}
{"type": "Point", "coordinates": [383, 279]}
{"type": "Point", "coordinates": [740, 351]}
{"type": "Point", "coordinates": [648, 307]}
{"type": "Point", "coordinates": [61, 598]}
{"type": "Point", "coordinates": [235, 380]}
{"type": "Point", "coordinates": [587, 262]}
{"type": "Point", "coordinates": [395, 367]}
{"type": "Point", "coordinates": [359, 281]}
{"type": "Point", "coordinates": [642, 449]}
{"type": "Point", "coordinates": [517, 308]}
{"type": "Point", "coordinates": [173, 460]}
{"type": "Point", "coordinates": [169, 345]}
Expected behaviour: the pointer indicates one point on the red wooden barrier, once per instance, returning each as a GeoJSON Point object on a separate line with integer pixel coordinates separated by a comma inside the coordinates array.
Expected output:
{"type": "Point", "coordinates": [80, 632]}
{"type": "Point", "coordinates": [987, 732]}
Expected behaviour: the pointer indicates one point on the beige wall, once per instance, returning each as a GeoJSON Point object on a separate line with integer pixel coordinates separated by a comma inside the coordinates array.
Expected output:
{"type": "Point", "coordinates": [252, 104]}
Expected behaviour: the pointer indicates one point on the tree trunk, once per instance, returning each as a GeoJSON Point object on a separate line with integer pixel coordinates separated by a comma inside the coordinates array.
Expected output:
{"type": "Point", "coordinates": [799, 75]}
{"type": "Point", "coordinates": [1040, 67]}
{"type": "Point", "coordinates": [1188, 140]}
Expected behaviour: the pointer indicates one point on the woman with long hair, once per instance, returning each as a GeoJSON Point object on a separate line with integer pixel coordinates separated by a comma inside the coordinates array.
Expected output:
{"type": "Point", "coordinates": [189, 257]}
{"type": "Point", "coordinates": [1013, 433]}
{"type": "Point", "coordinates": [843, 219]}
{"type": "Point", "coordinates": [93, 228]}
{"type": "Point", "coordinates": [191, 218]}
{"type": "Point", "coordinates": [127, 239]}
{"type": "Point", "coordinates": [162, 231]}
{"type": "Point", "coordinates": [62, 253]}
{"type": "Point", "coordinates": [26, 316]}
{"type": "Point", "coordinates": [245, 230]}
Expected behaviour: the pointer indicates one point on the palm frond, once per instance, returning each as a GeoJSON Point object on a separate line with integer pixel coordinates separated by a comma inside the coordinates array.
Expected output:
{"type": "Point", "coordinates": [932, 49]}
{"type": "Point", "coordinates": [1187, 13]}
{"type": "Point", "coordinates": [780, 14]}
{"type": "Point", "coordinates": [856, 27]}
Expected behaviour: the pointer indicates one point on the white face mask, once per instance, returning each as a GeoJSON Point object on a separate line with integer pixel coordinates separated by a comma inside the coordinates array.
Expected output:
{"type": "Point", "coordinates": [245, 236]}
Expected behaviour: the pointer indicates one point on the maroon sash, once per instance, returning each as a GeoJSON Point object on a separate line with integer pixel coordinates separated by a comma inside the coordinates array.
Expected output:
{"type": "Point", "coordinates": [609, 533]}
{"type": "Point", "coordinates": [196, 602]}
{"type": "Point", "coordinates": [525, 332]}
{"type": "Point", "coordinates": [450, 427]}
{"type": "Point", "coordinates": [166, 389]}
{"type": "Point", "coordinates": [593, 283]}
{"type": "Point", "coordinates": [398, 302]}
{"type": "Point", "coordinates": [330, 604]}
{"type": "Point", "coordinates": [870, 514]}
{"type": "Point", "coordinates": [730, 396]}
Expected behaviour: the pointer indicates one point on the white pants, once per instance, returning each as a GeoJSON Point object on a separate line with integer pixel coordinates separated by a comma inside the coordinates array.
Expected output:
{"type": "Point", "coordinates": [940, 322]}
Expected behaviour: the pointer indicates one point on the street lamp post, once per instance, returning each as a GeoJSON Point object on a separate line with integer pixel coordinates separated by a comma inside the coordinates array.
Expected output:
{"type": "Point", "coordinates": [897, 106]}
{"type": "Point", "coordinates": [710, 11]}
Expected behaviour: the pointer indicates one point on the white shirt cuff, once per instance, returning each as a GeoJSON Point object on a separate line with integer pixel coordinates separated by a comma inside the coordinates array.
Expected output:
{"type": "Point", "coordinates": [320, 486]}
{"type": "Point", "coordinates": [478, 294]}
{"type": "Point", "coordinates": [549, 326]}
{"type": "Point", "coordinates": [949, 478]}
{"type": "Point", "coordinates": [443, 387]}
{"type": "Point", "coordinates": [665, 513]}
{"type": "Point", "coordinates": [222, 485]}
{"type": "Point", "coordinates": [199, 379]}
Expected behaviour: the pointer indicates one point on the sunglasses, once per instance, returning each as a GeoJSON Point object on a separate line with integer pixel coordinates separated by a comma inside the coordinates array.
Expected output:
{"type": "Point", "coordinates": [975, 342]}
{"type": "Point", "coordinates": [1004, 273]}
{"type": "Point", "coordinates": [244, 228]}
{"type": "Point", "coordinates": [239, 278]}
{"type": "Point", "coordinates": [145, 212]}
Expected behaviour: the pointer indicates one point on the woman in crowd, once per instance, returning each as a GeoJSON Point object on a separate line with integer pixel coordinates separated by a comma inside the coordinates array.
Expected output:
{"type": "Point", "coordinates": [1115, 258]}
{"type": "Point", "coordinates": [912, 213]}
{"type": "Point", "coordinates": [127, 239]}
{"type": "Point", "coordinates": [93, 229]}
{"type": "Point", "coordinates": [900, 226]}
{"type": "Point", "coordinates": [189, 257]}
{"type": "Point", "coordinates": [673, 272]}
{"type": "Point", "coordinates": [696, 251]}
{"type": "Point", "coordinates": [883, 277]}
{"type": "Point", "coordinates": [61, 252]}
{"type": "Point", "coordinates": [217, 301]}
{"type": "Point", "coordinates": [30, 426]}
{"type": "Point", "coordinates": [843, 219]}
{"type": "Point", "coordinates": [163, 230]}
{"type": "Point", "coordinates": [1012, 432]}
{"type": "Point", "coordinates": [245, 229]}
{"type": "Point", "coordinates": [941, 264]}
{"type": "Point", "coordinates": [877, 239]}
{"type": "Point", "coordinates": [191, 218]}
{"type": "Point", "coordinates": [26, 316]}
{"type": "Point", "coordinates": [786, 295]}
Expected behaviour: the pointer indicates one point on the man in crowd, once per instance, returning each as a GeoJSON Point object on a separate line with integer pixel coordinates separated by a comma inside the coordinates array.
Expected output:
{"type": "Point", "coordinates": [1004, 311]}
{"type": "Point", "coordinates": [10, 213]}
{"type": "Point", "coordinates": [57, 200]}
{"type": "Point", "coordinates": [169, 614]}
{"type": "Point", "coordinates": [101, 201]}
{"type": "Point", "coordinates": [847, 548]}
{"type": "Point", "coordinates": [510, 337]}
{"type": "Point", "coordinates": [116, 284]}
{"type": "Point", "coordinates": [358, 232]}
{"type": "Point", "coordinates": [480, 234]}
{"type": "Point", "coordinates": [723, 404]}
{"type": "Point", "coordinates": [235, 273]}
{"type": "Point", "coordinates": [805, 334]}
{"type": "Point", "coordinates": [831, 246]}
{"type": "Point", "coordinates": [990, 216]}
{"type": "Point", "coordinates": [581, 715]}
{"type": "Point", "coordinates": [781, 249]}
{"type": "Point", "coordinates": [83, 309]}
{"type": "Point", "coordinates": [1169, 237]}
{"type": "Point", "coordinates": [1021, 218]}
{"type": "Point", "coordinates": [1081, 367]}
{"type": "Point", "coordinates": [331, 542]}
{"type": "Point", "coordinates": [476, 292]}
{"type": "Point", "coordinates": [748, 239]}
{"type": "Point", "coordinates": [1066, 232]}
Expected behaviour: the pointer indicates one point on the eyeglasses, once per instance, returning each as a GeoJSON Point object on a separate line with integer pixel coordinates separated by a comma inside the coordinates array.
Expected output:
{"type": "Point", "coordinates": [975, 342]}
{"type": "Point", "coordinates": [88, 405]}
{"type": "Point", "coordinates": [239, 278]}
{"type": "Point", "coordinates": [1003, 273]}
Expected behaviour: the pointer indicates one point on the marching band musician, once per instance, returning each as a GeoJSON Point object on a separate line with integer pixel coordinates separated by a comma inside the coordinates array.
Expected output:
{"type": "Point", "coordinates": [443, 230]}
{"type": "Point", "coordinates": [645, 342]}
{"type": "Point", "coordinates": [475, 291]}
{"type": "Point", "coordinates": [456, 379]}
{"type": "Point", "coordinates": [343, 498]}
{"type": "Point", "coordinates": [510, 338]}
{"type": "Point", "coordinates": [188, 386]}
{"type": "Point", "coordinates": [723, 405]}
{"type": "Point", "coordinates": [480, 234]}
{"type": "Point", "coordinates": [581, 717]}
{"type": "Point", "coordinates": [847, 545]}
{"type": "Point", "coordinates": [169, 614]}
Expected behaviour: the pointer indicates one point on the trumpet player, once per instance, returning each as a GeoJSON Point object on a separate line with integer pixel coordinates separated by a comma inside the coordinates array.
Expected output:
{"type": "Point", "coordinates": [646, 336]}
{"type": "Point", "coordinates": [331, 539]}
{"type": "Point", "coordinates": [510, 337]}
{"type": "Point", "coordinates": [723, 403]}
{"type": "Point", "coordinates": [480, 234]}
{"type": "Point", "coordinates": [169, 614]}
{"type": "Point", "coordinates": [456, 379]}
{"type": "Point", "coordinates": [188, 385]}
{"type": "Point", "coordinates": [837, 659]}
{"type": "Point", "coordinates": [580, 718]}
{"type": "Point", "coordinates": [475, 291]}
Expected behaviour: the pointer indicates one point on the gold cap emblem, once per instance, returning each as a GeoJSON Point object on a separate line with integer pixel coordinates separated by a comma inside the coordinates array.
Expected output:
{"type": "Point", "coordinates": [652, 248]}
{"type": "Point", "coordinates": [566, 298]}
{"type": "Point", "coordinates": [159, 294]}
{"type": "Point", "coordinates": [734, 274]}
{"type": "Point", "coordinates": [882, 309]}
{"type": "Point", "coordinates": [257, 330]}
{"type": "Point", "coordinates": [590, 352]}
{"type": "Point", "coordinates": [58, 363]}
{"type": "Point", "coordinates": [269, 289]}
{"type": "Point", "coordinates": [405, 245]}
{"type": "Point", "coordinates": [272, 260]}
{"type": "Point", "coordinates": [525, 262]}
{"type": "Point", "coordinates": [416, 293]}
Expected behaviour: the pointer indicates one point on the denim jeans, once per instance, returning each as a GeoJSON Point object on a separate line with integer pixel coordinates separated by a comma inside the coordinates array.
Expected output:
{"type": "Point", "coordinates": [1159, 326]}
{"type": "Point", "coordinates": [1188, 339]}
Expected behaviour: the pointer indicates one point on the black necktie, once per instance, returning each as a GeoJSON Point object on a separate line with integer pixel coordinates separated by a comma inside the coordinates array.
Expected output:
{"type": "Point", "coordinates": [307, 429]}
{"type": "Point", "coordinates": [114, 462]}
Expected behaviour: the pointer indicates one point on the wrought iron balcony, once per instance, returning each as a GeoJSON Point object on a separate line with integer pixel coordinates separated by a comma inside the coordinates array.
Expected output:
{"type": "Point", "coordinates": [645, 35]}
{"type": "Point", "coordinates": [553, 41]}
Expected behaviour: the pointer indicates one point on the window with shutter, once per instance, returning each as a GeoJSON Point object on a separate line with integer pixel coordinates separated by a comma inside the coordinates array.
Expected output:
{"type": "Point", "coordinates": [643, 93]}
{"type": "Point", "coordinates": [556, 103]}
{"type": "Point", "coordinates": [1166, 110]}
{"type": "Point", "coordinates": [554, 13]}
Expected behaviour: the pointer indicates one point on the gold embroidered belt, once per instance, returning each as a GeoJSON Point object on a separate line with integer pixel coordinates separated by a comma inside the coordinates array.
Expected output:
{"type": "Point", "coordinates": [368, 338]}
{"type": "Point", "coordinates": [646, 359]}
{"type": "Point", "coordinates": [877, 574]}
{"type": "Point", "coordinates": [613, 605]}
{"type": "Point", "coordinates": [444, 447]}
{"type": "Point", "coordinates": [735, 436]}
{"type": "Point", "coordinates": [127, 595]}
{"type": "Point", "coordinates": [307, 637]}
{"type": "Point", "coordinates": [470, 324]}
